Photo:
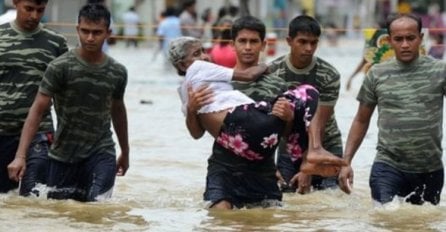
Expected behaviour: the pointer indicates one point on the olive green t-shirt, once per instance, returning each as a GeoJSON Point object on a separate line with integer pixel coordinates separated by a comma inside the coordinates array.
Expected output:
{"type": "Point", "coordinates": [409, 98]}
{"type": "Point", "coordinates": [83, 94]}
{"type": "Point", "coordinates": [24, 56]}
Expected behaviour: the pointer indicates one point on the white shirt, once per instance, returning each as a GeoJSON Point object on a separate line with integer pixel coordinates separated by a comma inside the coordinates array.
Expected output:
{"type": "Point", "coordinates": [218, 78]}
{"type": "Point", "coordinates": [9, 16]}
{"type": "Point", "coordinates": [131, 21]}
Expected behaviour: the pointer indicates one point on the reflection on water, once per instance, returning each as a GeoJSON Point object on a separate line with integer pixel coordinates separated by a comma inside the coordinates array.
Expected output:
{"type": "Point", "coordinates": [25, 213]}
{"type": "Point", "coordinates": [163, 188]}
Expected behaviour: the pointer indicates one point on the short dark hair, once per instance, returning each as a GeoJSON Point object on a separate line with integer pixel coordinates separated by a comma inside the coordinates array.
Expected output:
{"type": "Point", "coordinates": [393, 18]}
{"type": "Point", "coordinates": [189, 3]}
{"type": "Point", "coordinates": [170, 11]}
{"type": "Point", "coordinates": [95, 13]}
{"type": "Point", "coordinates": [95, 1]}
{"type": "Point", "coordinates": [250, 23]}
{"type": "Point", "coordinates": [305, 24]}
{"type": "Point", "coordinates": [38, 2]}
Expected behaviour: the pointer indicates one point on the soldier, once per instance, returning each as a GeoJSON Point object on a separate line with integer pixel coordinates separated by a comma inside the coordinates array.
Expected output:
{"type": "Point", "coordinates": [26, 49]}
{"type": "Point", "coordinates": [87, 87]}
{"type": "Point", "coordinates": [409, 91]}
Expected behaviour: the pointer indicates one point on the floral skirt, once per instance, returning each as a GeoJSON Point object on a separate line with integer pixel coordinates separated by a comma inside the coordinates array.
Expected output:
{"type": "Point", "coordinates": [253, 133]}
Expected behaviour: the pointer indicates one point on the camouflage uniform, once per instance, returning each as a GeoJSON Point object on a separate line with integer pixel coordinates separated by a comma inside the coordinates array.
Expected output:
{"type": "Point", "coordinates": [24, 56]}
{"type": "Point", "coordinates": [410, 108]}
{"type": "Point", "coordinates": [326, 79]}
{"type": "Point", "coordinates": [83, 94]}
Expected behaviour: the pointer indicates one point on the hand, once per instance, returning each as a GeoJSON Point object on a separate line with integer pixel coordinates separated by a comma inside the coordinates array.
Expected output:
{"type": "Point", "coordinates": [302, 181]}
{"type": "Point", "coordinates": [257, 71]}
{"type": "Point", "coordinates": [122, 164]}
{"type": "Point", "coordinates": [198, 98]}
{"type": "Point", "coordinates": [282, 109]}
{"type": "Point", "coordinates": [280, 180]}
{"type": "Point", "coordinates": [16, 169]}
{"type": "Point", "coordinates": [345, 179]}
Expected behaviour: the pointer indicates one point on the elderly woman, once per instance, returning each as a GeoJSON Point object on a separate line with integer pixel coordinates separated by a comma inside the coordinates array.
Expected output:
{"type": "Point", "coordinates": [241, 127]}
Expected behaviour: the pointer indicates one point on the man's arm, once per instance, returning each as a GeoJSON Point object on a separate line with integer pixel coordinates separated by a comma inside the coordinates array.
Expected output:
{"type": "Point", "coordinates": [317, 161]}
{"type": "Point", "coordinates": [319, 123]}
{"type": "Point", "coordinates": [119, 118]}
{"type": "Point", "coordinates": [196, 99]}
{"type": "Point", "coordinates": [357, 133]}
{"type": "Point", "coordinates": [41, 104]}
{"type": "Point", "coordinates": [249, 74]}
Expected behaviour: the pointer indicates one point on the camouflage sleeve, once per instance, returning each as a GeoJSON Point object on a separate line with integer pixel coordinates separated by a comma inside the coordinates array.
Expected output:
{"type": "Point", "coordinates": [119, 91]}
{"type": "Point", "coordinates": [366, 94]}
{"type": "Point", "coordinates": [63, 46]}
{"type": "Point", "coordinates": [329, 88]}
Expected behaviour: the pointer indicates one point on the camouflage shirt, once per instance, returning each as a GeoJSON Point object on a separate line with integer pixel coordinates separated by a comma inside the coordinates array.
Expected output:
{"type": "Point", "coordinates": [24, 56]}
{"type": "Point", "coordinates": [410, 112]}
{"type": "Point", "coordinates": [265, 88]}
{"type": "Point", "coordinates": [326, 79]}
{"type": "Point", "coordinates": [83, 95]}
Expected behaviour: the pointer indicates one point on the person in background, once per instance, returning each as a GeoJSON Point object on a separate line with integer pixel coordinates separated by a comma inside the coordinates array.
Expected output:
{"type": "Point", "coordinates": [409, 92]}
{"type": "Point", "coordinates": [222, 52]}
{"type": "Point", "coordinates": [225, 12]}
{"type": "Point", "coordinates": [131, 26]}
{"type": "Point", "coordinates": [300, 67]}
{"type": "Point", "coordinates": [437, 48]}
{"type": "Point", "coordinates": [189, 20]}
{"type": "Point", "coordinates": [87, 88]}
{"type": "Point", "coordinates": [168, 29]}
{"type": "Point", "coordinates": [377, 49]}
{"type": "Point", "coordinates": [26, 49]}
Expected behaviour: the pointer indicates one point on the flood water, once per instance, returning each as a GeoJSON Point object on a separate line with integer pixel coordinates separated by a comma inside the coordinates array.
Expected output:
{"type": "Point", "coordinates": [163, 188]}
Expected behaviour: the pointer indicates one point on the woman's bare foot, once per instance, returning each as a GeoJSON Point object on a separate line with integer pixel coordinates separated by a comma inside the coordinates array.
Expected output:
{"type": "Point", "coordinates": [321, 162]}
{"type": "Point", "coordinates": [325, 170]}
{"type": "Point", "coordinates": [322, 156]}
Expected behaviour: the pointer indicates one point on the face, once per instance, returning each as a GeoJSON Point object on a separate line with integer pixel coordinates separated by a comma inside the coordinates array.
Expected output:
{"type": "Point", "coordinates": [302, 46]}
{"type": "Point", "coordinates": [28, 14]}
{"type": "Point", "coordinates": [248, 46]}
{"type": "Point", "coordinates": [92, 34]}
{"type": "Point", "coordinates": [194, 52]}
{"type": "Point", "coordinates": [405, 39]}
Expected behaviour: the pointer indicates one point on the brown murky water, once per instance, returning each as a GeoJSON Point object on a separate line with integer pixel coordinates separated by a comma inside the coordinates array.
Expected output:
{"type": "Point", "coordinates": [163, 188]}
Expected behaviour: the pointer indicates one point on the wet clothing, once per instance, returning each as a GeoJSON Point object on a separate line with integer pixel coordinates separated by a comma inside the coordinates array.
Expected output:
{"type": "Point", "coordinates": [288, 168]}
{"type": "Point", "coordinates": [326, 79]}
{"type": "Point", "coordinates": [386, 182]}
{"type": "Point", "coordinates": [83, 95]}
{"type": "Point", "coordinates": [87, 180]}
{"type": "Point", "coordinates": [24, 56]}
{"type": "Point", "coordinates": [409, 98]}
{"type": "Point", "coordinates": [36, 163]}
{"type": "Point", "coordinates": [241, 169]}
{"type": "Point", "coordinates": [219, 80]}
{"type": "Point", "coordinates": [82, 157]}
